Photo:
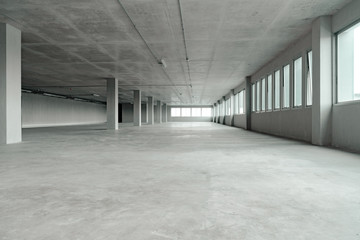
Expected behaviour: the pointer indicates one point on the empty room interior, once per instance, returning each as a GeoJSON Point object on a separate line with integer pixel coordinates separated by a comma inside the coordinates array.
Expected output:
{"type": "Point", "coordinates": [180, 119]}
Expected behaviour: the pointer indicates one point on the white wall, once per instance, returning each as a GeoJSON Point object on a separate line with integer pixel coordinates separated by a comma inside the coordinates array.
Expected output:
{"type": "Point", "coordinates": [346, 116]}
{"type": "Point", "coordinates": [42, 111]}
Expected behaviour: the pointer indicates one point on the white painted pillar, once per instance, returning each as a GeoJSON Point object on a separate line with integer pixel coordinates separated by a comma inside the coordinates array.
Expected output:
{"type": "Point", "coordinates": [322, 81]}
{"type": "Point", "coordinates": [10, 84]}
{"type": "Point", "coordinates": [158, 112]}
{"type": "Point", "coordinates": [164, 113]}
{"type": "Point", "coordinates": [137, 108]}
{"type": "Point", "coordinates": [150, 107]}
{"type": "Point", "coordinates": [112, 104]}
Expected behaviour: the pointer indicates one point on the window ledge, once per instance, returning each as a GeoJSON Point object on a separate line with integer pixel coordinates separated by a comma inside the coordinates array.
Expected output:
{"type": "Point", "coordinates": [353, 102]}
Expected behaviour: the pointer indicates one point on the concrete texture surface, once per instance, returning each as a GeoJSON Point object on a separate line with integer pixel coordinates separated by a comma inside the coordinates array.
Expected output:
{"type": "Point", "coordinates": [175, 181]}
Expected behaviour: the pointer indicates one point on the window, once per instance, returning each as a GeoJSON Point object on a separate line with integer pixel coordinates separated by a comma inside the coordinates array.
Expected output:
{"type": "Point", "coordinates": [309, 92]}
{"type": "Point", "coordinates": [228, 107]}
{"type": "Point", "coordinates": [253, 97]}
{"type": "Point", "coordinates": [186, 112]}
{"type": "Point", "coordinates": [263, 95]}
{"type": "Point", "coordinates": [196, 112]}
{"type": "Point", "coordinates": [258, 96]}
{"type": "Point", "coordinates": [269, 92]}
{"type": "Point", "coordinates": [348, 64]}
{"type": "Point", "coordinates": [206, 112]}
{"type": "Point", "coordinates": [236, 104]}
{"type": "Point", "coordinates": [241, 102]}
{"type": "Point", "coordinates": [277, 90]}
{"type": "Point", "coordinates": [298, 82]}
{"type": "Point", "coordinates": [286, 86]}
{"type": "Point", "coordinates": [175, 112]}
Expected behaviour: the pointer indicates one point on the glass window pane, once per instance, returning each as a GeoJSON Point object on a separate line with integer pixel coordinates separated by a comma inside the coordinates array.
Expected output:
{"type": "Point", "coordinates": [298, 82]}
{"type": "Point", "coordinates": [236, 102]}
{"type": "Point", "coordinates": [286, 87]}
{"type": "Point", "coordinates": [269, 92]}
{"type": "Point", "coordinates": [253, 97]}
{"type": "Point", "coordinates": [186, 112]}
{"type": "Point", "coordinates": [258, 96]}
{"type": "Point", "coordinates": [196, 112]}
{"type": "Point", "coordinates": [263, 95]}
{"type": "Point", "coordinates": [348, 62]}
{"type": "Point", "coordinates": [309, 92]}
{"type": "Point", "coordinates": [206, 112]}
{"type": "Point", "coordinates": [241, 102]}
{"type": "Point", "coordinates": [175, 112]}
{"type": "Point", "coordinates": [277, 89]}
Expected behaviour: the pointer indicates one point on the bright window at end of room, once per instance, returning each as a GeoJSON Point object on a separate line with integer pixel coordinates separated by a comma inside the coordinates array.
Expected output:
{"type": "Point", "coordinates": [206, 112]}
{"type": "Point", "coordinates": [286, 87]}
{"type": "Point", "coordinates": [186, 112]}
{"type": "Point", "coordinates": [298, 82]}
{"type": "Point", "coordinates": [348, 64]}
{"type": "Point", "coordinates": [196, 112]}
{"type": "Point", "coordinates": [175, 112]}
{"type": "Point", "coordinates": [309, 91]}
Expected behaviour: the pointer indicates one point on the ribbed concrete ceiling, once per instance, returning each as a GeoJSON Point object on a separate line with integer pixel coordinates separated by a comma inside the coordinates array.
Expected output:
{"type": "Point", "coordinates": [71, 46]}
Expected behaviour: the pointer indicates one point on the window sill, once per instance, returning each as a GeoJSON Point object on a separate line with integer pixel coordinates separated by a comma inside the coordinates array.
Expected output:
{"type": "Point", "coordinates": [353, 102]}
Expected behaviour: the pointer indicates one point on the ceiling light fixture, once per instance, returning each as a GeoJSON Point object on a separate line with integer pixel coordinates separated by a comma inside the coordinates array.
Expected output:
{"type": "Point", "coordinates": [96, 95]}
{"type": "Point", "coordinates": [163, 63]}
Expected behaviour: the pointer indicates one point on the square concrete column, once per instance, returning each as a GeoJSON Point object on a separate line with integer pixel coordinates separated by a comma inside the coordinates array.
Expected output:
{"type": "Point", "coordinates": [322, 81]}
{"type": "Point", "coordinates": [158, 112]}
{"type": "Point", "coordinates": [10, 84]}
{"type": "Point", "coordinates": [164, 113]}
{"type": "Point", "coordinates": [150, 110]}
{"type": "Point", "coordinates": [248, 103]}
{"type": "Point", "coordinates": [112, 103]}
{"type": "Point", "coordinates": [137, 108]}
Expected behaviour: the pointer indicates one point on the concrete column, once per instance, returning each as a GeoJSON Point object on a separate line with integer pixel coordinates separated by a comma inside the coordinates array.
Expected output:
{"type": "Point", "coordinates": [232, 107]}
{"type": "Point", "coordinates": [150, 107]}
{"type": "Point", "coordinates": [248, 103]}
{"type": "Point", "coordinates": [137, 108]}
{"type": "Point", "coordinates": [112, 103]}
{"type": "Point", "coordinates": [164, 113]}
{"type": "Point", "coordinates": [158, 112]}
{"type": "Point", "coordinates": [322, 81]}
{"type": "Point", "coordinates": [10, 84]}
{"type": "Point", "coordinates": [214, 112]}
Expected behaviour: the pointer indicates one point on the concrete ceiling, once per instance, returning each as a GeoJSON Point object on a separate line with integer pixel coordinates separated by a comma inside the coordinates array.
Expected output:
{"type": "Point", "coordinates": [71, 46]}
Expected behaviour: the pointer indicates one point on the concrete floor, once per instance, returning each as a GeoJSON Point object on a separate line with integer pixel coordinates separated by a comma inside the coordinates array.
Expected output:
{"type": "Point", "coordinates": [175, 181]}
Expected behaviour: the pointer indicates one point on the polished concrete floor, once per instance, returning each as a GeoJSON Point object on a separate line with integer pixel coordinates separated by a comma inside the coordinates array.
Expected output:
{"type": "Point", "coordinates": [175, 181]}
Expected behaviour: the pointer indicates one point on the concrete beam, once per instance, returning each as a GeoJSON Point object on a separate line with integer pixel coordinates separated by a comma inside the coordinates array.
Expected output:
{"type": "Point", "coordinates": [10, 84]}
{"type": "Point", "coordinates": [322, 81]}
{"type": "Point", "coordinates": [112, 103]}
{"type": "Point", "coordinates": [137, 108]}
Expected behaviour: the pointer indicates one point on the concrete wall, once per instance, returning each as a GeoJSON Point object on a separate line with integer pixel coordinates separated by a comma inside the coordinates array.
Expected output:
{"type": "Point", "coordinates": [346, 116]}
{"type": "Point", "coordinates": [294, 122]}
{"type": "Point", "coordinates": [42, 111]}
{"type": "Point", "coordinates": [240, 121]}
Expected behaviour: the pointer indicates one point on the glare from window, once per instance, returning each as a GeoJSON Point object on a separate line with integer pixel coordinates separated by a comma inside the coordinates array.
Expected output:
{"type": "Point", "coordinates": [206, 112]}
{"type": "Point", "coordinates": [258, 96]}
{"type": "Point", "coordinates": [309, 91]}
{"type": "Point", "coordinates": [241, 102]}
{"type": "Point", "coordinates": [348, 62]}
{"type": "Point", "coordinates": [277, 90]}
{"type": "Point", "coordinates": [186, 112]}
{"type": "Point", "coordinates": [286, 87]}
{"type": "Point", "coordinates": [263, 95]}
{"type": "Point", "coordinates": [298, 82]}
{"type": "Point", "coordinates": [175, 112]}
{"type": "Point", "coordinates": [269, 92]}
{"type": "Point", "coordinates": [196, 112]}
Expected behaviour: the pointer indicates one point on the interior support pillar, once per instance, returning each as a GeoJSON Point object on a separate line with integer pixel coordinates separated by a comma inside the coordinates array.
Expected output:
{"type": "Point", "coordinates": [322, 81]}
{"type": "Point", "coordinates": [10, 84]}
{"type": "Point", "coordinates": [150, 107]}
{"type": "Point", "coordinates": [112, 103]}
{"type": "Point", "coordinates": [158, 112]}
{"type": "Point", "coordinates": [248, 103]}
{"type": "Point", "coordinates": [164, 113]}
{"type": "Point", "coordinates": [137, 108]}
